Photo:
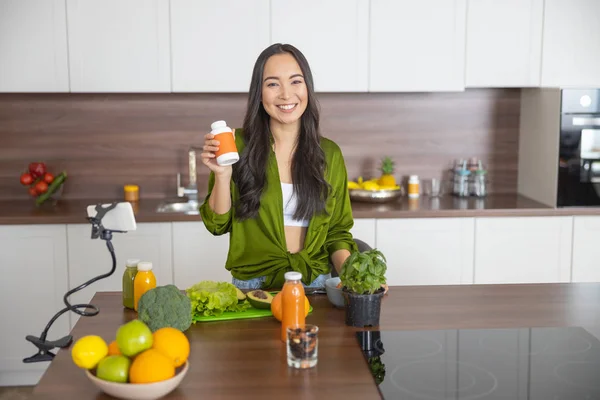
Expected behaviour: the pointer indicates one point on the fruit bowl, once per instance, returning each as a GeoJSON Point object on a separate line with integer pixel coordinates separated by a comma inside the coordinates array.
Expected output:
{"type": "Point", "coordinates": [140, 391]}
{"type": "Point", "coordinates": [375, 196]}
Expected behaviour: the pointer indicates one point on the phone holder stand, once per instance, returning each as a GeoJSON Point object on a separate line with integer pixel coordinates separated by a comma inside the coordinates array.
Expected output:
{"type": "Point", "coordinates": [46, 346]}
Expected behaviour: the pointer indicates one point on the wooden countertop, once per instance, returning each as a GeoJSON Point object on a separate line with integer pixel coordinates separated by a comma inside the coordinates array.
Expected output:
{"type": "Point", "coordinates": [232, 359]}
{"type": "Point", "coordinates": [73, 211]}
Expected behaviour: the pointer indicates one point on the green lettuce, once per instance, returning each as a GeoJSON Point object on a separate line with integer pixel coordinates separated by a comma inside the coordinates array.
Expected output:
{"type": "Point", "coordinates": [210, 298]}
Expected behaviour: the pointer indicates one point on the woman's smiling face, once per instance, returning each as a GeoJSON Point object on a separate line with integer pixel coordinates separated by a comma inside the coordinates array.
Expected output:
{"type": "Point", "coordinates": [284, 93]}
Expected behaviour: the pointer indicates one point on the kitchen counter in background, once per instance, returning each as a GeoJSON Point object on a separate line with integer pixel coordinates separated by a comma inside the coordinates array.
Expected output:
{"type": "Point", "coordinates": [73, 211]}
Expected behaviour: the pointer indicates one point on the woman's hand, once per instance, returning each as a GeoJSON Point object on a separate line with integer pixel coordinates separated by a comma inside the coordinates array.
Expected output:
{"type": "Point", "coordinates": [211, 145]}
{"type": "Point", "coordinates": [385, 286]}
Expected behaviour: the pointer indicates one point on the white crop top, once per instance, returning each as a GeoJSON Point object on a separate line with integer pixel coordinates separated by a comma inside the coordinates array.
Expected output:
{"type": "Point", "coordinates": [289, 206]}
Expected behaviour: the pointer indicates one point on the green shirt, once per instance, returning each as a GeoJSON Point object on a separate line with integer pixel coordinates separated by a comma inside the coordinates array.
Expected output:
{"type": "Point", "coordinates": [257, 247]}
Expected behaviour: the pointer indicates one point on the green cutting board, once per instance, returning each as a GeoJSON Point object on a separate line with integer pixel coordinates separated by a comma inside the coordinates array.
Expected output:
{"type": "Point", "coordinates": [248, 313]}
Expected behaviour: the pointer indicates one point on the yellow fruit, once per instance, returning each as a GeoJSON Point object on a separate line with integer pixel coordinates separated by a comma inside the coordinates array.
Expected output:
{"type": "Point", "coordinates": [113, 349]}
{"type": "Point", "coordinates": [151, 366]}
{"type": "Point", "coordinates": [387, 180]}
{"type": "Point", "coordinates": [370, 185]}
{"type": "Point", "coordinates": [276, 307]}
{"type": "Point", "coordinates": [384, 187]}
{"type": "Point", "coordinates": [89, 351]}
{"type": "Point", "coordinates": [360, 180]}
{"type": "Point", "coordinates": [172, 343]}
{"type": "Point", "coordinates": [353, 185]}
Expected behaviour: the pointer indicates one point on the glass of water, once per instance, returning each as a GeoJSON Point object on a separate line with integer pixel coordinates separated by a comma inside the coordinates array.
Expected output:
{"type": "Point", "coordinates": [302, 346]}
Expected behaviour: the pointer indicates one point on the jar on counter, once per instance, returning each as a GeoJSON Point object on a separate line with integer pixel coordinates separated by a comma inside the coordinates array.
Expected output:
{"type": "Point", "coordinates": [479, 183]}
{"type": "Point", "coordinates": [461, 182]}
{"type": "Point", "coordinates": [132, 193]}
{"type": "Point", "coordinates": [128, 278]}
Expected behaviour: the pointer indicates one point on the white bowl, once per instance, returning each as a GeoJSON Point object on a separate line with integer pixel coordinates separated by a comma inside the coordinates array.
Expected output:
{"type": "Point", "coordinates": [334, 294]}
{"type": "Point", "coordinates": [140, 391]}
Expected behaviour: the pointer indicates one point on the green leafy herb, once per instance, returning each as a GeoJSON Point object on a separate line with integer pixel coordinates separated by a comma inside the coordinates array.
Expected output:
{"type": "Point", "coordinates": [211, 298]}
{"type": "Point", "coordinates": [364, 272]}
{"type": "Point", "coordinates": [377, 368]}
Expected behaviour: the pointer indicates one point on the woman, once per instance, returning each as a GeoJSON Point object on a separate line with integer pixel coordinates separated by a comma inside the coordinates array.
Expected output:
{"type": "Point", "coordinates": [285, 203]}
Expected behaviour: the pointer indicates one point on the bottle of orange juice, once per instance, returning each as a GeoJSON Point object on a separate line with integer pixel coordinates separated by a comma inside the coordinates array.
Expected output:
{"type": "Point", "coordinates": [292, 302]}
{"type": "Point", "coordinates": [144, 281]}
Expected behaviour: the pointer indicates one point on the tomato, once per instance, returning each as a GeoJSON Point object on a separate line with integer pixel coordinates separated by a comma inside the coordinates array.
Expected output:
{"type": "Point", "coordinates": [37, 169]}
{"type": "Point", "coordinates": [48, 178]}
{"type": "Point", "coordinates": [26, 179]}
{"type": "Point", "coordinates": [32, 191]}
{"type": "Point", "coordinates": [41, 187]}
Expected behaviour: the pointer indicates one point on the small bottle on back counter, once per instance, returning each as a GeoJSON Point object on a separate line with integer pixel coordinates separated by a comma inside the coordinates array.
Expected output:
{"type": "Point", "coordinates": [413, 187]}
{"type": "Point", "coordinates": [128, 278]}
{"type": "Point", "coordinates": [227, 153]}
{"type": "Point", "coordinates": [144, 281]}
{"type": "Point", "coordinates": [292, 303]}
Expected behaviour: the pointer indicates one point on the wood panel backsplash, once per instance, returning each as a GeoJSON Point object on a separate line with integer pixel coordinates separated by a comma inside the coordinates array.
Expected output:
{"type": "Point", "coordinates": [107, 140]}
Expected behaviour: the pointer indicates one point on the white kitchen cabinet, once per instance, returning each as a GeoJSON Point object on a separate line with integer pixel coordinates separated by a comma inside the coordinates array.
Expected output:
{"type": "Point", "coordinates": [364, 229]}
{"type": "Point", "coordinates": [33, 262]}
{"type": "Point", "coordinates": [214, 45]}
{"type": "Point", "coordinates": [586, 251]}
{"type": "Point", "coordinates": [33, 46]}
{"type": "Point", "coordinates": [336, 45]}
{"type": "Point", "coordinates": [417, 45]}
{"type": "Point", "coordinates": [571, 43]}
{"type": "Point", "coordinates": [523, 249]}
{"type": "Point", "coordinates": [501, 57]}
{"type": "Point", "coordinates": [198, 255]}
{"type": "Point", "coordinates": [427, 251]}
{"type": "Point", "coordinates": [117, 46]}
{"type": "Point", "coordinates": [89, 258]}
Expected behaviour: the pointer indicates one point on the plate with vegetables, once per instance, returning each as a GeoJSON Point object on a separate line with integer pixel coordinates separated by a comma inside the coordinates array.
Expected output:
{"type": "Point", "coordinates": [221, 301]}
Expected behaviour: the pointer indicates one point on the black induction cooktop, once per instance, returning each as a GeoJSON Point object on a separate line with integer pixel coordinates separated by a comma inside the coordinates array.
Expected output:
{"type": "Point", "coordinates": [521, 364]}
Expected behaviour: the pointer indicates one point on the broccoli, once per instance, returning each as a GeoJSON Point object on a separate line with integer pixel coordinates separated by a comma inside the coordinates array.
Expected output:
{"type": "Point", "coordinates": [165, 306]}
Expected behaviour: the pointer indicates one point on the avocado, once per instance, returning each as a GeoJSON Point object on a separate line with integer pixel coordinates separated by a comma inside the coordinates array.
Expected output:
{"type": "Point", "coordinates": [260, 299]}
{"type": "Point", "coordinates": [240, 295]}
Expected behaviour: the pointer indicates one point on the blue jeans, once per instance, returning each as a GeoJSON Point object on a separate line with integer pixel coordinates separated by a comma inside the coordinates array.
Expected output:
{"type": "Point", "coordinates": [256, 283]}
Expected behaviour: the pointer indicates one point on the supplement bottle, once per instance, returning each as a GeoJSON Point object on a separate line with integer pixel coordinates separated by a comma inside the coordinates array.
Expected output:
{"type": "Point", "coordinates": [413, 187]}
{"type": "Point", "coordinates": [227, 153]}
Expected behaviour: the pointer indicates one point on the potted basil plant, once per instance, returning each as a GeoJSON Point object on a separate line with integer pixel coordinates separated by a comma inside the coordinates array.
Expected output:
{"type": "Point", "coordinates": [362, 277]}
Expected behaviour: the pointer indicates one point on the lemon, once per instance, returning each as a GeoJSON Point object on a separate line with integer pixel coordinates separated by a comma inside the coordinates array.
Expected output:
{"type": "Point", "coordinates": [353, 185]}
{"type": "Point", "coordinates": [89, 351]}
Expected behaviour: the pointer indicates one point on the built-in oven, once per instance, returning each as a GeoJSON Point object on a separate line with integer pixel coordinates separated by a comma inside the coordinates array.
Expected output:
{"type": "Point", "coordinates": [579, 149]}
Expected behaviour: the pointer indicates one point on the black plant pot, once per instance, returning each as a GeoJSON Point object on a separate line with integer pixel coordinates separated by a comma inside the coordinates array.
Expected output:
{"type": "Point", "coordinates": [363, 309]}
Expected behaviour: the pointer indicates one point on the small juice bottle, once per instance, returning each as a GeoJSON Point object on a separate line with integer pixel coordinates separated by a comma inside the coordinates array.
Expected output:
{"type": "Point", "coordinates": [128, 278]}
{"type": "Point", "coordinates": [292, 302]}
{"type": "Point", "coordinates": [144, 281]}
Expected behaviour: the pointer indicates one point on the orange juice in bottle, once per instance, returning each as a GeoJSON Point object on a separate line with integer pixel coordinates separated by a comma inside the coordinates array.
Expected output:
{"type": "Point", "coordinates": [292, 302]}
{"type": "Point", "coordinates": [144, 281]}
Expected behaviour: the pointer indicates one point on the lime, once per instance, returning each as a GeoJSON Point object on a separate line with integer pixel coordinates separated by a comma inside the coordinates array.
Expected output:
{"type": "Point", "coordinates": [88, 351]}
{"type": "Point", "coordinates": [114, 369]}
{"type": "Point", "coordinates": [134, 337]}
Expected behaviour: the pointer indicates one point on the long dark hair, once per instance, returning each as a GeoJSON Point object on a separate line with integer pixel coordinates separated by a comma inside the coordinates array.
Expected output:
{"type": "Point", "coordinates": [308, 161]}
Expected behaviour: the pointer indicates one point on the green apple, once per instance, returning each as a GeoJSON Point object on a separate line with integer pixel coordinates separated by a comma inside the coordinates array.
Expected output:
{"type": "Point", "coordinates": [114, 369]}
{"type": "Point", "coordinates": [134, 337]}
